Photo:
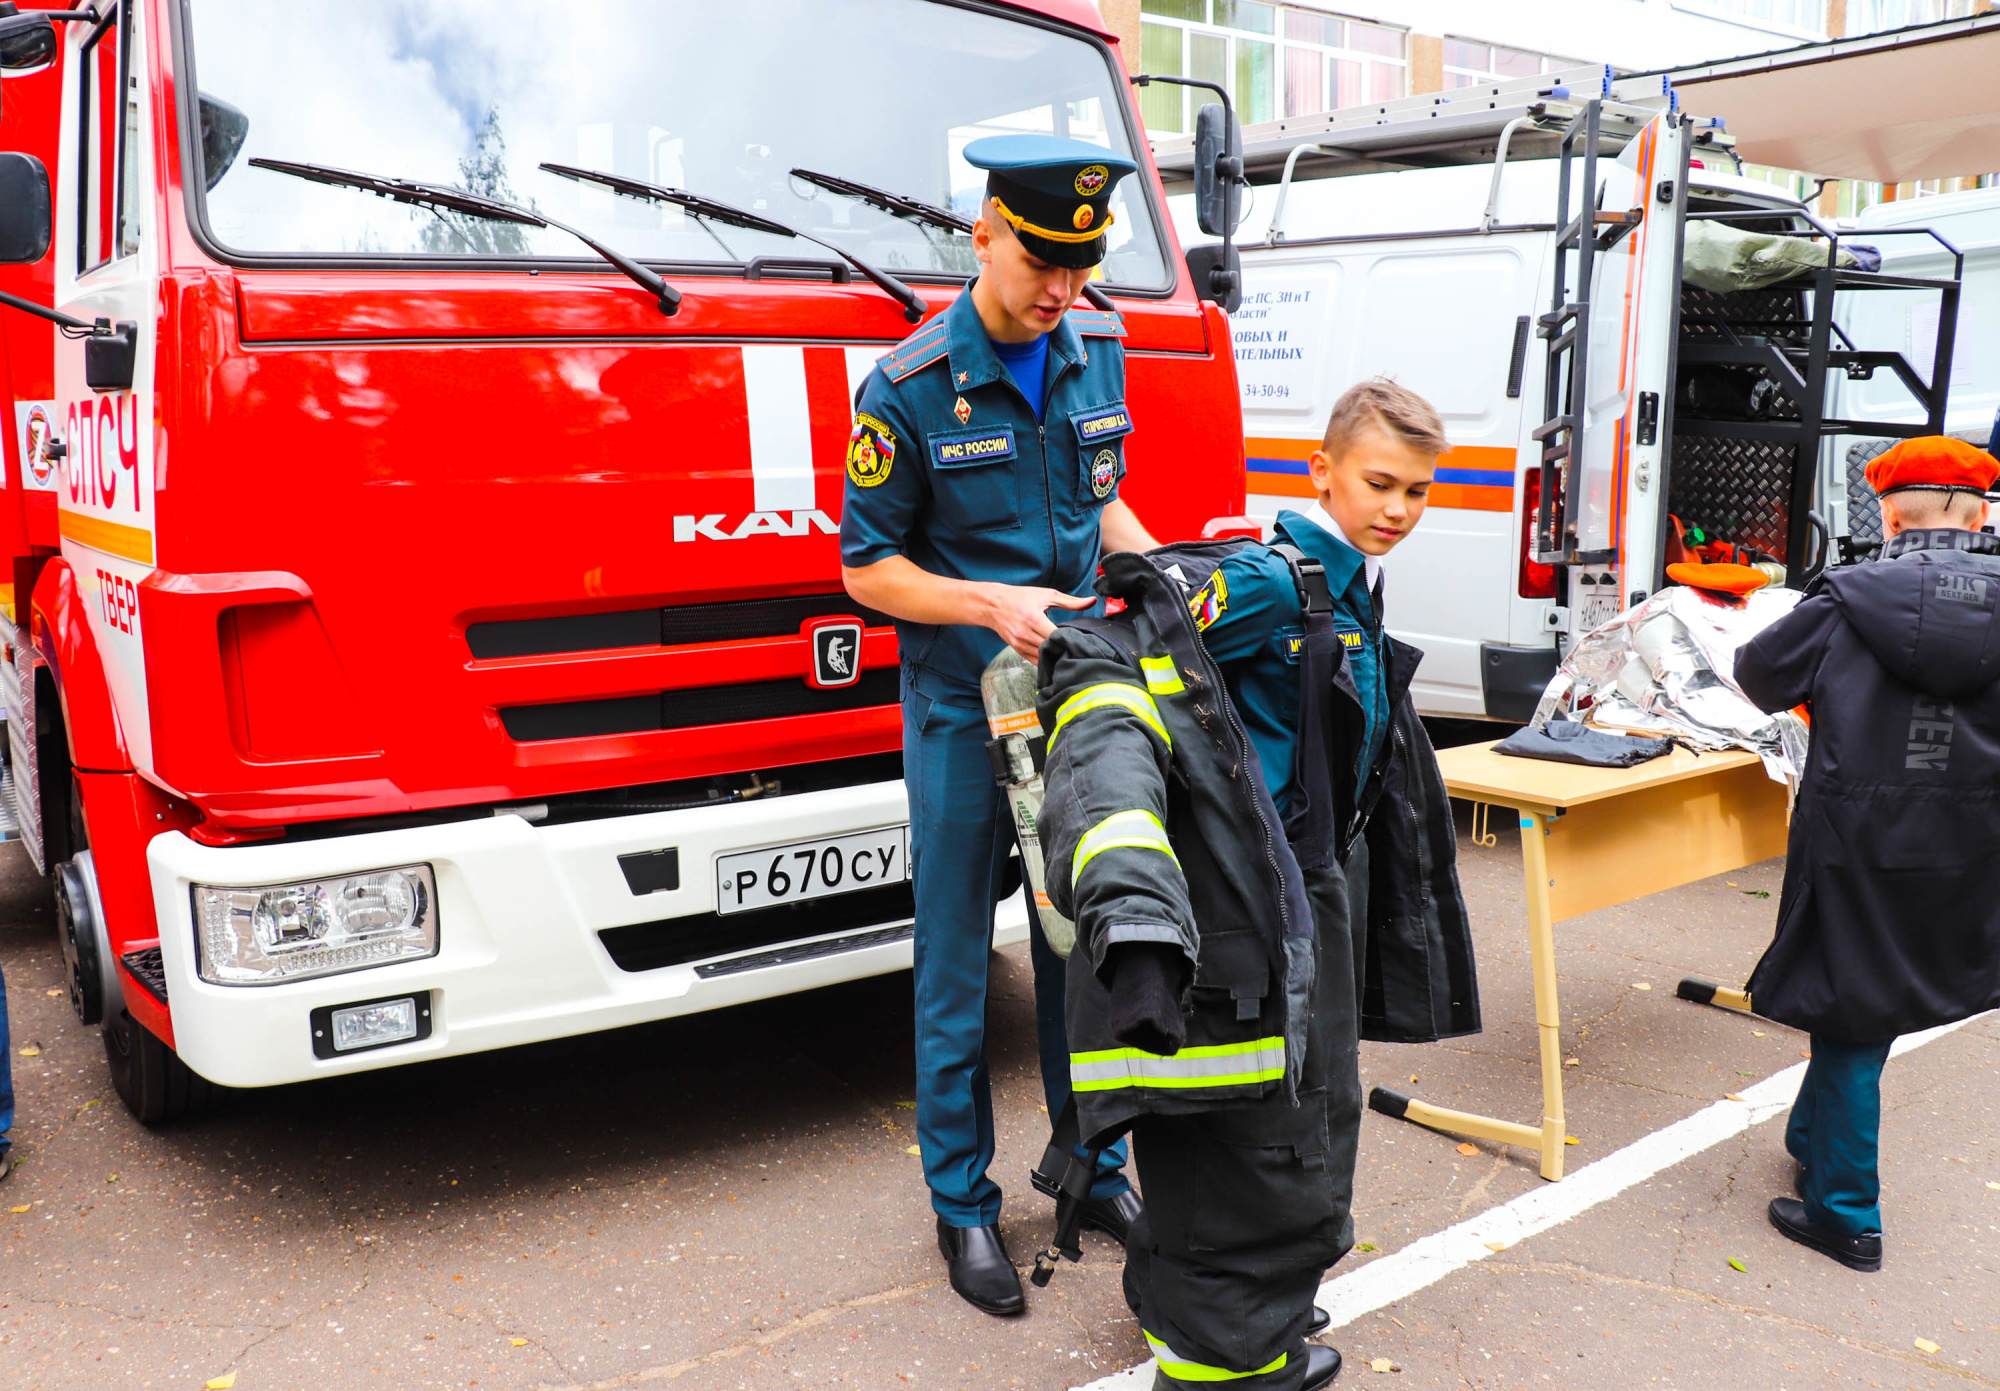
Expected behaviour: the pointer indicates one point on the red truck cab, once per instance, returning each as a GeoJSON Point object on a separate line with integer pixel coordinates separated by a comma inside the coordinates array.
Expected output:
{"type": "Point", "coordinates": [411, 636]}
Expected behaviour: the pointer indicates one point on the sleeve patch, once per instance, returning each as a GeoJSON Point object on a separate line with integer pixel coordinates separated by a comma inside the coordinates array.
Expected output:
{"type": "Point", "coordinates": [1210, 602]}
{"type": "Point", "coordinates": [871, 450]}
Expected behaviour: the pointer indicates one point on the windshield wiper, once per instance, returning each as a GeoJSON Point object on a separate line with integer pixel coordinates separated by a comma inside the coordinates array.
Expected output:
{"type": "Point", "coordinates": [913, 303]}
{"type": "Point", "coordinates": [915, 209]}
{"type": "Point", "coordinates": [435, 196]}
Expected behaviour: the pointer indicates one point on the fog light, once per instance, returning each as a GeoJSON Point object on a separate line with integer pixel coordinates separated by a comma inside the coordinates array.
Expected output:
{"type": "Point", "coordinates": [317, 927]}
{"type": "Point", "coordinates": [366, 1024]}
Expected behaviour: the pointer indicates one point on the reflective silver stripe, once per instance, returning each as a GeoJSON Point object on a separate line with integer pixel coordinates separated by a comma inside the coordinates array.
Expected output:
{"type": "Point", "coordinates": [1108, 694]}
{"type": "Point", "coordinates": [1161, 678]}
{"type": "Point", "coordinates": [1139, 830]}
{"type": "Point", "coordinates": [1209, 1065]}
{"type": "Point", "coordinates": [1186, 1369]}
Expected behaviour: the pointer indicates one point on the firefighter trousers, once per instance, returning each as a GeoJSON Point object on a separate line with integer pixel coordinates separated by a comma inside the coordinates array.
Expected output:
{"type": "Point", "coordinates": [1247, 1208]}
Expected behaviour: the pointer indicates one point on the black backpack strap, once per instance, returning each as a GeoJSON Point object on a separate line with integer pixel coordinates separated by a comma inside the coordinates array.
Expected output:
{"type": "Point", "coordinates": [1065, 1176]}
{"type": "Point", "coordinates": [1315, 595]}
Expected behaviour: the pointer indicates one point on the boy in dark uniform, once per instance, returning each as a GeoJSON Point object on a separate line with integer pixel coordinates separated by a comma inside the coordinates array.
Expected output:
{"type": "Point", "coordinates": [1890, 916]}
{"type": "Point", "coordinates": [1247, 824]}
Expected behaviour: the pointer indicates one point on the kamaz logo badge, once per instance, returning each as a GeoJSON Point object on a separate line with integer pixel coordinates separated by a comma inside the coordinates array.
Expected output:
{"type": "Point", "coordinates": [717, 526]}
{"type": "Point", "coordinates": [836, 651]}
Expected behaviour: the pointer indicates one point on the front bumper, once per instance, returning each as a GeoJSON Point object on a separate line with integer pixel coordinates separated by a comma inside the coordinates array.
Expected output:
{"type": "Point", "coordinates": [519, 912]}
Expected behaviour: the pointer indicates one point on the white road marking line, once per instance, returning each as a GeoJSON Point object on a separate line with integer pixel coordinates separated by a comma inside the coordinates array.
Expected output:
{"type": "Point", "coordinates": [774, 387]}
{"type": "Point", "coordinates": [1430, 1259]}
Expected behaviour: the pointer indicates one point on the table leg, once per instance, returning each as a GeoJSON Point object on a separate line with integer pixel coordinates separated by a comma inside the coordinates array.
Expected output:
{"type": "Point", "coordinates": [1547, 1141]}
{"type": "Point", "coordinates": [1548, 1013]}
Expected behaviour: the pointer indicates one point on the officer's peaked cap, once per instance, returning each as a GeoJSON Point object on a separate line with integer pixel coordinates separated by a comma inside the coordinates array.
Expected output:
{"type": "Point", "coordinates": [1054, 192]}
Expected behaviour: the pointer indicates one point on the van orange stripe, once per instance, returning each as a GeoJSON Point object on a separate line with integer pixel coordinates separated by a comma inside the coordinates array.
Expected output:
{"type": "Point", "coordinates": [113, 538]}
{"type": "Point", "coordinates": [1471, 497]}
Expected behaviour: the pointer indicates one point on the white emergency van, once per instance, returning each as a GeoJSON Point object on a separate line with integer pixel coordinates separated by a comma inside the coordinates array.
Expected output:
{"type": "Point", "coordinates": [1514, 253]}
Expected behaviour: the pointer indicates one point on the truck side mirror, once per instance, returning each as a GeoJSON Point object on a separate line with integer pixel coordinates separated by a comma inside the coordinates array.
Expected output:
{"type": "Point", "coordinates": [222, 130]}
{"type": "Point", "coordinates": [108, 357]}
{"type": "Point", "coordinates": [24, 209]}
{"type": "Point", "coordinates": [1218, 170]}
{"type": "Point", "coordinates": [26, 40]}
{"type": "Point", "coordinates": [1218, 274]}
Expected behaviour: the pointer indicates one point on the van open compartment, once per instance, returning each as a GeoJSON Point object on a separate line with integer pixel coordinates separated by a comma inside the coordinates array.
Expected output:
{"type": "Point", "coordinates": [1750, 384]}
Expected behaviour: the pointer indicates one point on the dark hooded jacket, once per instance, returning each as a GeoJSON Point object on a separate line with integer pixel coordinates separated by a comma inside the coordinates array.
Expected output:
{"type": "Point", "coordinates": [1890, 917]}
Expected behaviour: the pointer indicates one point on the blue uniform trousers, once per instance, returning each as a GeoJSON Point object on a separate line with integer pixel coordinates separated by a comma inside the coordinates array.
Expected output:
{"type": "Point", "coordinates": [6, 1072]}
{"type": "Point", "coordinates": [1834, 1129]}
{"type": "Point", "coordinates": [959, 837]}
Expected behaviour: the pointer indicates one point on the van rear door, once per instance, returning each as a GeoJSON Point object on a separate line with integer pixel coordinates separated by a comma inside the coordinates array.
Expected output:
{"type": "Point", "coordinates": [1610, 326]}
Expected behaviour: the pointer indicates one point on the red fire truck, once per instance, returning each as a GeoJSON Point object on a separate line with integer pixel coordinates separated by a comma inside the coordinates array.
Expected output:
{"type": "Point", "coordinates": [424, 631]}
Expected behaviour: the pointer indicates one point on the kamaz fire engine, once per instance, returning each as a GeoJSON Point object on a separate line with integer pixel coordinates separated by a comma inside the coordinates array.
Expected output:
{"type": "Point", "coordinates": [426, 434]}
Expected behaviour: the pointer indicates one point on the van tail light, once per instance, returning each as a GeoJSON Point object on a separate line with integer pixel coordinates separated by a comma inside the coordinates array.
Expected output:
{"type": "Point", "coordinates": [1537, 581]}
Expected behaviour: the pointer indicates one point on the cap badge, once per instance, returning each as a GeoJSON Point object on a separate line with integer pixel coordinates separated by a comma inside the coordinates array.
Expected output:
{"type": "Point", "coordinates": [962, 411]}
{"type": "Point", "coordinates": [1084, 216]}
{"type": "Point", "coordinates": [1091, 179]}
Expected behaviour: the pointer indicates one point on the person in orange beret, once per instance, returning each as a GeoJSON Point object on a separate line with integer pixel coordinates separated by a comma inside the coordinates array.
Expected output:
{"type": "Point", "coordinates": [1889, 921]}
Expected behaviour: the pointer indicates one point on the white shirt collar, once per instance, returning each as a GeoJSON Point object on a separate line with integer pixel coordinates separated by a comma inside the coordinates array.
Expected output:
{"type": "Point", "coordinates": [1371, 566]}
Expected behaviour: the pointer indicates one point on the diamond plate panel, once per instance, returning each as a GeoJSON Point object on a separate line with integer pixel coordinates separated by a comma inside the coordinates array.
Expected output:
{"type": "Point", "coordinates": [1738, 491]}
{"type": "Point", "coordinates": [1771, 313]}
{"type": "Point", "coordinates": [1864, 509]}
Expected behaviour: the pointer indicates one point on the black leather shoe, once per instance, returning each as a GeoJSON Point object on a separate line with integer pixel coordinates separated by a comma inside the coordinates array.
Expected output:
{"type": "Point", "coordinates": [1322, 1366]}
{"type": "Point", "coordinates": [1113, 1216]}
{"type": "Point", "coordinates": [1321, 1321]}
{"type": "Point", "coordinates": [981, 1273]}
{"type": "Point", "coordinates": [1862, 1252]}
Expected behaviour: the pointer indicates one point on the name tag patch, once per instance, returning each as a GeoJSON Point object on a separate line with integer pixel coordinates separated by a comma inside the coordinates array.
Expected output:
{"type": "Point", "coordinates": [1350, 638]}
{"type": "Point", "coordinates": [1105, 424]}
{"type": "Point", "coordinates": [972, 447]}
{"type": "Point", "coordinates": [1293, 641]}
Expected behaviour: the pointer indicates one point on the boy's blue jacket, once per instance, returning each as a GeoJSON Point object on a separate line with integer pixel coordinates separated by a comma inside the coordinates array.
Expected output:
{"type": "Point", "coordinates": [1159, 826]}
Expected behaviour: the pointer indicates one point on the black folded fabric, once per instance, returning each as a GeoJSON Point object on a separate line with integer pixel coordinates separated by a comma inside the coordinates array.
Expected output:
{"type": "Point", "coordinates": [1566, 741]}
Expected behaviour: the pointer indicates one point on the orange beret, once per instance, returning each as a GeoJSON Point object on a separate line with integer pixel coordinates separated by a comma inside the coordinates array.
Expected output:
{"type": "Point", "coordinates": [1933, 461]}
{"type": "Point", "coordinates": [1722, 579]}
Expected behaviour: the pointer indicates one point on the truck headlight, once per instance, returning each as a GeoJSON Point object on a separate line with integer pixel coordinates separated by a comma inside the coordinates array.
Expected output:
{"type": "Point", "coordinates": [318, 927]}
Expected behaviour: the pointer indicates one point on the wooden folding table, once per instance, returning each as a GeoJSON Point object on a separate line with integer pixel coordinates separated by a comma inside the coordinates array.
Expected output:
{"type": "Point", "coordinates": [1591, 838]}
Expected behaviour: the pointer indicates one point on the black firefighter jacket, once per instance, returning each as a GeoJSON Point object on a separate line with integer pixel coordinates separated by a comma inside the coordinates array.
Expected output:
{"type": "Point", "coordinates": [1159, 827]}
{"type": "Point", "coordinates": [1890, 916]}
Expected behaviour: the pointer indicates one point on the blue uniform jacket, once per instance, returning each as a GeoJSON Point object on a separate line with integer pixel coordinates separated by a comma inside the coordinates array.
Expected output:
{"type": "Point", "coordinates": [948, 465]}
{"type": "Point", "coordinates": [1249, 615]}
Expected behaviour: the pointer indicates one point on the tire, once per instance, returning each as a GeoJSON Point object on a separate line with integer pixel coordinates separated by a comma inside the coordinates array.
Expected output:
{"type": "Point", "coordinates": [149, 1077]}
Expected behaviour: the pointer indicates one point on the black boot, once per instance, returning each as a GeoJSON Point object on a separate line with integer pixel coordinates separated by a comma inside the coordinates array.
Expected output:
{"type": "Point", "coordinates": [1862, 1252]}
{"type": "Point", "coordinates": [981, 1272]}
{"type": "Point", "coordinates": [1113, 1216]}
{"type": "Point", "coordinates": [1322, 1366]}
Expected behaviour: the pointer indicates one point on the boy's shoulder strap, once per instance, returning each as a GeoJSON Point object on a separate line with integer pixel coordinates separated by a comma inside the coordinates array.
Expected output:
{"type": "Point", "coordinates": [1315, 594]}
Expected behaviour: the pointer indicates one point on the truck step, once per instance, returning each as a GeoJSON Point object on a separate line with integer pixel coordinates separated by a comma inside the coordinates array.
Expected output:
{"type": "Point", "coordinates": [10, 824]}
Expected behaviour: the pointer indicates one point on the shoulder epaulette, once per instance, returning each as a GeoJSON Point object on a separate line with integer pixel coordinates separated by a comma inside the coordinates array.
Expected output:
{"type": "Point", "coordinates": [1096, 323]}
{"type": "Point", "coordinates": [919, 350]}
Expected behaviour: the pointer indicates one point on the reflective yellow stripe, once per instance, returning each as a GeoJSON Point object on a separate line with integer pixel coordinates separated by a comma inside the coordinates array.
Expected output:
{"type": "Point", "coordinates": [1208, 1065]}
{"type": "Point", "coordinates": [1103, 696]}
{"type": "Point", "coordinates": [1161, 678]}
{"type": "Point", "coordinates": [1181, 1369]}
{"type": "Point", "coordinates": [1136, 829]}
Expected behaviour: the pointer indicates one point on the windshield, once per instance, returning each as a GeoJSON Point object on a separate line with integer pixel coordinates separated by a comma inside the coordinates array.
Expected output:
{"type": "Point", "coordinates": [719, 99]}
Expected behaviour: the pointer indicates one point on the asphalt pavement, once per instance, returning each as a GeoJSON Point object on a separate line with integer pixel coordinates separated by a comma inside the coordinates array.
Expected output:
{"type": "Point", "coordinates": [729, 1200]}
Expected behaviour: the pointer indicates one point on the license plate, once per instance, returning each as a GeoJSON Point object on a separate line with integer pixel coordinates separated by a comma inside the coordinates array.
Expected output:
{"type": "Point", "coordinates": [811, 869]}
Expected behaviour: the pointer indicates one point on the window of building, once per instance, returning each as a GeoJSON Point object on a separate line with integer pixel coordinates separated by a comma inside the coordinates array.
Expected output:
{"type": "Point", "coordinates": [1276, 60]}
{"type": "Point", "coordinates": [1873, 16]}
{"type": "Point", "coordinates": [1469, 63]}
{"type": "Point", "coordinates": [1800, 18]}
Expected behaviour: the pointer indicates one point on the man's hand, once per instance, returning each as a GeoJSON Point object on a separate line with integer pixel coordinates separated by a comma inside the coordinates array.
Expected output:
{"type": "Point", "coordinates": [1019, 613]}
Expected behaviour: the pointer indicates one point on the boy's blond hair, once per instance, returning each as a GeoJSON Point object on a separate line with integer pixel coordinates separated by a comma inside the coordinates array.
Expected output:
{"type": "Point", "coordinates": [1387, 406]}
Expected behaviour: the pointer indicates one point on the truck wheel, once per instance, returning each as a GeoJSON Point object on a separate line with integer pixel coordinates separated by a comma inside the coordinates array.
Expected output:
{"type": "Point", "coordinates": [150, 1078]}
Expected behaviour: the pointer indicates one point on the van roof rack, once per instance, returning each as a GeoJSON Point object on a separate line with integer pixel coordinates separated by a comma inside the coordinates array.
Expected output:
{"type": "Point", "coordinates": [1462, 126]}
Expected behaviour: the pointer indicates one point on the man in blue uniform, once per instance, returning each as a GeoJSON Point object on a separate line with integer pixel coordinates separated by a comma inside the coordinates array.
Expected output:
{"type": "Point", "coordinates": [982, 484]}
